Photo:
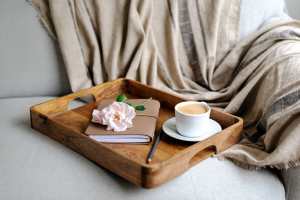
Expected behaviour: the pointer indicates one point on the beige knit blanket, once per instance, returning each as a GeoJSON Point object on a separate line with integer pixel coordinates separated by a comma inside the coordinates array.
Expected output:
{"type": "Point", "coordinates": [191, 48]}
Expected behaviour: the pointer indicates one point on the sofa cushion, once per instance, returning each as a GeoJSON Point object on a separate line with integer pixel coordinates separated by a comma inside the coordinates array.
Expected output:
{"type": "Point", "coordinates": [254, 17]}
{"type": "Point", "coordinates": [29, 62]}
{"type": "Point", "coordinates": [34, 166]}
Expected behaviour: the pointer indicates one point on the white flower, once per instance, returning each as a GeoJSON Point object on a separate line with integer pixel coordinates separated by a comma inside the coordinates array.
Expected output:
{"type": "Point", "coordinates": [117, 116]}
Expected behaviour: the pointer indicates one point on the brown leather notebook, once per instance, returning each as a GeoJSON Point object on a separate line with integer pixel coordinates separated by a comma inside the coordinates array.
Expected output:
{"type": "Point", "coordinates": [143, 128]}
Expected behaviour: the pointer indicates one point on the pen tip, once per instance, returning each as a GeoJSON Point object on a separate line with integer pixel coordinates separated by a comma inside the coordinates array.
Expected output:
{"type": "Point", "coordinates": [149, 160]}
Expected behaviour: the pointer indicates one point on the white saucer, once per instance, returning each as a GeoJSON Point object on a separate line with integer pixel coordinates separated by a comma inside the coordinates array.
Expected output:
{"type": "Point", "coordinates": [169, 127]}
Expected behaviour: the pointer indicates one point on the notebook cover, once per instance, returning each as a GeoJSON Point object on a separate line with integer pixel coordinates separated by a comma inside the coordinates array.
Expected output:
{"type": "Point", "coordinates": [144, 122]}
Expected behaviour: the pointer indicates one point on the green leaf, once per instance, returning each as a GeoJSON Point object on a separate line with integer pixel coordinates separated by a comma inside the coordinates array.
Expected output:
{"type": "Point", "coordinates": [140, 107]}
{"type": "Point", "coordinates": [121, 98]}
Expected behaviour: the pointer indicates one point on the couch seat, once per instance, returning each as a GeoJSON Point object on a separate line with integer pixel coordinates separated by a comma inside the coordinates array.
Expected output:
{"type": "Point", "coordinates": [33, 166]}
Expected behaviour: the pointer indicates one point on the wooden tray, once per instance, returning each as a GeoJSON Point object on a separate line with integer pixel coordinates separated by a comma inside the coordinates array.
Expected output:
{"type": "Point", "coordinates": [172, 158]}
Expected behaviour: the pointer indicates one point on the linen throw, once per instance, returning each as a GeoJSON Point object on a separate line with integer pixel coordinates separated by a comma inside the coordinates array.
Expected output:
{"type": "Point", "coordinates": [191, 48]}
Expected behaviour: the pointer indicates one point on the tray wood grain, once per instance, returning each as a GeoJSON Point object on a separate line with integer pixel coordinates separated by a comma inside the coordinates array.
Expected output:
{"type": "Point", "coordinates": [172, 158]}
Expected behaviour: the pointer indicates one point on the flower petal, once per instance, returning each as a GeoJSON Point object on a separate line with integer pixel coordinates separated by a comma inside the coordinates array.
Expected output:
{"type": "Point", "coordinates": [117, 116]}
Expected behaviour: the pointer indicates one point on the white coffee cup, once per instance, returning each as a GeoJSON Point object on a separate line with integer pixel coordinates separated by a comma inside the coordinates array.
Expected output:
{"type": "Point", "coordinates": [191, 124]}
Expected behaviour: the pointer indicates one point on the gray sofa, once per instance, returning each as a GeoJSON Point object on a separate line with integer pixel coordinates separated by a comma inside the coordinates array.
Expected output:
{"type": "Point", "coordinates": [32, 166]}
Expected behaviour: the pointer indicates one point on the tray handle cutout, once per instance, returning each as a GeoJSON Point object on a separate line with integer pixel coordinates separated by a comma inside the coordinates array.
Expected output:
{"type": "Point", "coordinates": [202, 154]}
{"type": "Point", "coordinates": [80, 101]}
{"type": "Point", "coordinates": [61, 104]}
{"type": "Point", "coordinates": [90, 95]}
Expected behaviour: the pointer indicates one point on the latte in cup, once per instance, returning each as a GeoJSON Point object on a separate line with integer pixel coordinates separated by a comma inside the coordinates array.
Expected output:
{"type": "Point", "coordinates": [192, 117]}
{"type": "Point", "coordinates": [192, 108]}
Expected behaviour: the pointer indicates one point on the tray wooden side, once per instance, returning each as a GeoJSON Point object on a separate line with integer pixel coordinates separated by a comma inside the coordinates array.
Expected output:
{"type": "Point", "coordinates": [172, 157]}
